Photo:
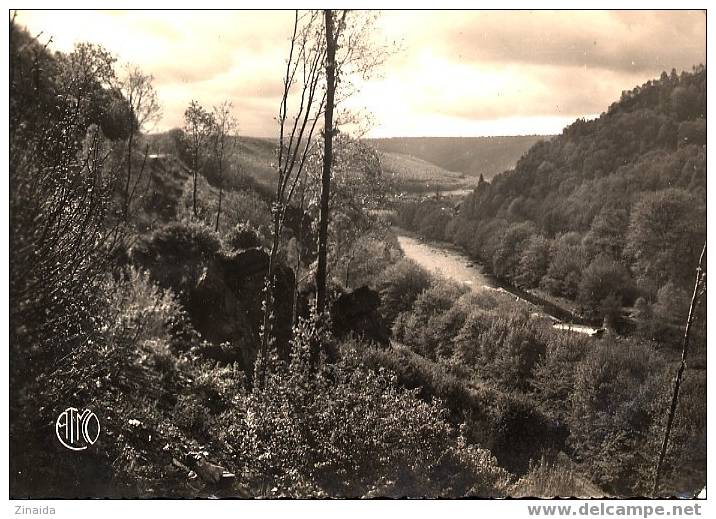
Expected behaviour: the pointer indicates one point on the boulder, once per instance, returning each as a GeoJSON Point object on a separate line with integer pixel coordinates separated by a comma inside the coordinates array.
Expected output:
{"type": "Point", "coordinates": [357, 312]}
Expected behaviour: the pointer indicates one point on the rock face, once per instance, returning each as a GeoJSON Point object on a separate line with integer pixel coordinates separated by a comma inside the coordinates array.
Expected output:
{"type": "Point", "coordinates": [357, 312]}
{"type": "Point", "coordinates": [222, 293]}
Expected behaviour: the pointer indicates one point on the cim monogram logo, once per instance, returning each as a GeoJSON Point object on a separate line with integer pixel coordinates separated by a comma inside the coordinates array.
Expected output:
{"type": "Point", "coordinates": [76, 430]}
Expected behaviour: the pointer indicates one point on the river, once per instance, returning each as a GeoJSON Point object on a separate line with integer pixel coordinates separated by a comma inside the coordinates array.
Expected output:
{"type": "Point", "coordinates": [452, 263]}
{"type": "Point", "coordinates": [447, 261]}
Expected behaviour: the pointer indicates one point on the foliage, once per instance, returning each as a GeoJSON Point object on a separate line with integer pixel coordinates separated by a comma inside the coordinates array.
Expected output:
{"type": "Point", "coordinates": [523, 433]}
{"type": "Point", "coordinates": [242, 236]}
{"type": "Point", "coordinates": [399, 286]}
{"type": "Point", "coordinates": [345, 430]}
{"type": "Point", "coordinates": [665, 237]}
{"type": "Point", "coordinates": [602, 279]}
{"type": "Point", "coordinates": [418, 328]}
{"type": "Point", "coordinates": [617, 390]}
{"type": "Point", "coordinates": [555, 476]}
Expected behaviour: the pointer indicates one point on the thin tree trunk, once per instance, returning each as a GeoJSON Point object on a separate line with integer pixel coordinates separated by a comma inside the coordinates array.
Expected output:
{"type": "Point", "coordinates": [299, 242]}
{"type": "Point", "coordinates": [196, 165]}
{"type": "Point", "coordinates": [218, 211]}
{"type": "Point", "coordinates": [321, 270]}
{"type": "Point", "coordinates": [130, 145]}
{"type": "Point", "coordinates": [221, 185]}
{"type": "Point", "coordinates": [698, 284]}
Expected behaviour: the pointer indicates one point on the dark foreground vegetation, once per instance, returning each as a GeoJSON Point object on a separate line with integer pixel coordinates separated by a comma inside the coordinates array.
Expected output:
{"type": "Point", "coordinates": [145, 304]}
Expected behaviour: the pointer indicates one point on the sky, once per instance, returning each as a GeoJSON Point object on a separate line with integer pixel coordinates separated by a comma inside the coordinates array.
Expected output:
{"type": "Point", "coordinates": [448, 73]}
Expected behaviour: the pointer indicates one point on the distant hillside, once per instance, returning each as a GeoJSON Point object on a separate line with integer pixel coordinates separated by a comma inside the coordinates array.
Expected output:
{"type": "Point", "coordinates": [408, 173]}
{"type": "Point", "coordinates": [249, 159]}
{"type": "Point", "coordinates": [473, 156]}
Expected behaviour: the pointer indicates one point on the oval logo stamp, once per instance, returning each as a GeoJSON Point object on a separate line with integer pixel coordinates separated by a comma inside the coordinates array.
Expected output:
{"type": "Point", "coordinates": [77, 430]}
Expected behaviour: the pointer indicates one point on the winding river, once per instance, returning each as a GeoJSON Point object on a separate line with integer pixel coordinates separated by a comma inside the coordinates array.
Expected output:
{"type": "Point", "coordinates": [452, 263]}
{"type": "Point", "coordinates": [446, 260]}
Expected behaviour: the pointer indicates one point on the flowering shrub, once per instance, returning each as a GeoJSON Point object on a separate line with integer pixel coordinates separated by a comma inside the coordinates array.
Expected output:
{"type": "Point", "coordinates": [346, 430]}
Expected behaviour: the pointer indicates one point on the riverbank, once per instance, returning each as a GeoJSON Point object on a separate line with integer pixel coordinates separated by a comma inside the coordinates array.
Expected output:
{"type": "Point", "coordinates": [453, 262]}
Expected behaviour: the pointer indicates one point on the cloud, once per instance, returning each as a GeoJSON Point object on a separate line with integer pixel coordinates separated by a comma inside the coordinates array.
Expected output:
{"type": "Point", "coordinates": [450, 73]}
{"type": "Point", "coordinates": [629, 41]}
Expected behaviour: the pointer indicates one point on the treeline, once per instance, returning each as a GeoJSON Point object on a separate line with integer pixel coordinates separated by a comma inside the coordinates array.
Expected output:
{"type": "Point", "coordinates": [610, 213]}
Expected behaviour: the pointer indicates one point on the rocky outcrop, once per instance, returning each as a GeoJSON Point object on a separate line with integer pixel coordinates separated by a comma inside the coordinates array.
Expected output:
{"type": "Point", "coordinates": [222, 293]}
{"type": "Point", "coordinates": [357, 312]}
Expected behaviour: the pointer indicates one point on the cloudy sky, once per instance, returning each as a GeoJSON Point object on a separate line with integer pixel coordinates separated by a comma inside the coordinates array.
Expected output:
{"type": "Point", "coordinates": [457, 73]}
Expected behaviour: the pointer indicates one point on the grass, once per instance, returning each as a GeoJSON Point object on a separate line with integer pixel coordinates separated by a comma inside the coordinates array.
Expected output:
{"type": "Point", "coordinates": [413, 174]}
{"type": "Point", "coordinates": [555, 476]}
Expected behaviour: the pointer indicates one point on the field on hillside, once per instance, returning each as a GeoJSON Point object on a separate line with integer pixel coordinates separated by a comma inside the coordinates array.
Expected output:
{"type": "Point", "coordinates": [473, 156]}
{"type": "Point", "coordinates": [409, 173]}
{"type": "Point", "coordinates": [253, 156]}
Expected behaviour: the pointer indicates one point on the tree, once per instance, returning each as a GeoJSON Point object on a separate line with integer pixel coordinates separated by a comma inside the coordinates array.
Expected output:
{"type": "Point", "coordinates": [303, 70]}
{"type": "Point", "coordinates": [665, 230]}
{"type": "Point", "coordinates": [348, 53]}
{"type": "Point", "coordinates": [607, 232]}
{"type": "Point", "coordinates": [357, 186]}
{"type": "Point", "coordinates": [331, 44]}
{"type": "Point", "coordinates": [699, 290]}
{"type": "Point", "coordinates": [198, 125]}
{"type": "Point", "coordinates": [604, 278]}
{"type": "Point", "coordinates": [507, 256]}
{"type": "Point", "coordinates": [534, 261]}
{"type": "Point", "coordinates": [224, 125]}
{"type": "Point", "coordinates": [143, 110]}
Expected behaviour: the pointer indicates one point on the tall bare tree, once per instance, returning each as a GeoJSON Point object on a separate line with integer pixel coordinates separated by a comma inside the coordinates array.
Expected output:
{"type": "Point", "coordinates": [302, 79]}
{"type": "Point", "coordinates": [351, 52]}
{"type": "Point", "coordinates": [699, 290]}
{"type": "Point", "coordinates": [225, 125]}
{"type": "Point", "coordinates": [198, 125]}
{"type": "Point", "coordinates": [306, 81]}
{"type": "Point", "coordinates": [144, 110]}
{"type": "Point", "coordinates": [328, 130]}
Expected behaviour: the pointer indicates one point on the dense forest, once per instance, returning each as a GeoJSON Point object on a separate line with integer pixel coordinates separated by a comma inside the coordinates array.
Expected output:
{"type": "Point", "coordinates": [138, 289]}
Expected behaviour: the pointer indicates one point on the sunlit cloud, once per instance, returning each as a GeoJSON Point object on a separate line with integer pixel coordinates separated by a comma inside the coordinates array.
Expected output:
{"type": "Point", "coordinates": [457, 73]}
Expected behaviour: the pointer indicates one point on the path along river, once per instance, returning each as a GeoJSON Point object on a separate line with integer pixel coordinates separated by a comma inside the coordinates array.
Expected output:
{"type": "Point", "coordinates": [450, 262]}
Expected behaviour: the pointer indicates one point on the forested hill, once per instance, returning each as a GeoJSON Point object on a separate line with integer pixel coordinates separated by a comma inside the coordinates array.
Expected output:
{"type": "Point", "coordinates": [652, 139]}
{"type": "Point", "coordinates": [473, 156]}
{"type": "Point", "coordinates": [612, 206]}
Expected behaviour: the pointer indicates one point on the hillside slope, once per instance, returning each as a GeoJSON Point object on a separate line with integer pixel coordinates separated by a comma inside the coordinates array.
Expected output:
{"type": "Point", "coordinates": [473, 156]}
{"type": "Point", "coordinates": [413, 174]}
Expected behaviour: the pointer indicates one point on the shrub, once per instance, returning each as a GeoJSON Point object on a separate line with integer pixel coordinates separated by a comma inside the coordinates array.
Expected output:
{"type": "Point", "coordinates": [177, 253]}
{"type": "Point", "coordinates": [130, 379]}
{"type": "Point", "coordinates": [523, 433]}
{"type": "Point", "coordinates": [616, 386]}
{"type": "Point", "coordinates": [424, 324]}
{"type": "Point", "coordinates": [555, 476]}
{"type": "Point", "coordinates": [399, 287]}
{"type": "Point", "coordinates": [344, 430]}
{"type": "Point", "coordinates": [605, 278]}
{"type": "Point", "coordinates": [672, 304]}
{"type": "Point", "coordinates": [242, 236]}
